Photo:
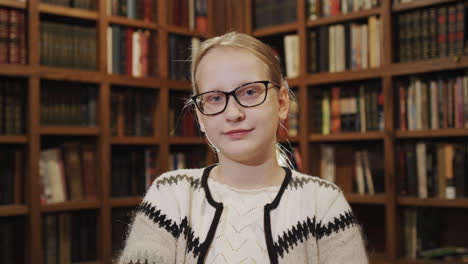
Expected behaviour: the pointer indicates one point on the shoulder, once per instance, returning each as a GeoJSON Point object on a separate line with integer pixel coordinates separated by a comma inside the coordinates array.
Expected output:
{"type": "Point", "coordinates": [179, 179]}
{"type": "Point", "coordinates": [301, 181]}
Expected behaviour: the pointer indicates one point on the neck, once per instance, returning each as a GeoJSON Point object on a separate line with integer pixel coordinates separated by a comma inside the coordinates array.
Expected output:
{"type": "Point", "coordinates": [248, 176]}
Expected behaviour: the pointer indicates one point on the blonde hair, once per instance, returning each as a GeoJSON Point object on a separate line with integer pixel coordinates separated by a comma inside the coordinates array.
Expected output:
{"type": "Point", "coordinates": [263, 52]}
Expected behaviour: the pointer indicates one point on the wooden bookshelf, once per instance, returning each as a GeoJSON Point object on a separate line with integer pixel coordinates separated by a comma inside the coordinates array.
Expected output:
{"type": "Point", "coordinates": [386, 140]}
{"type": "Point", "coordinates": [13, 4]}
{"type": "Point", "coordinates": [68, 12]}
{"type": "Point", "coordinates": [36, 137]}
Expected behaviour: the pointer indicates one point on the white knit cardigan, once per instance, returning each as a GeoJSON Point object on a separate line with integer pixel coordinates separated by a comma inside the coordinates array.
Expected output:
{"type": "Point", "coordinates": [309, 221]}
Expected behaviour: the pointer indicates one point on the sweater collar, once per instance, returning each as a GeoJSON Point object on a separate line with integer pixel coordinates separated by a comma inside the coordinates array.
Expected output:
{"type": "Point", "coordinates": [272, 205]}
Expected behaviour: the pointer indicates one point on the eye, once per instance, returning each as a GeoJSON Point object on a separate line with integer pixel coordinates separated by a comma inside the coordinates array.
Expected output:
{"type": "Point", "coordinates": [249, 91]}
{"type": "Point", "coordinates": [213, 98]}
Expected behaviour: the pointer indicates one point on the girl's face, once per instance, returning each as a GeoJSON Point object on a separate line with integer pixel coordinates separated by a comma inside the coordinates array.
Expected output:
{"type": "Point", "coordinates": [241, 134]}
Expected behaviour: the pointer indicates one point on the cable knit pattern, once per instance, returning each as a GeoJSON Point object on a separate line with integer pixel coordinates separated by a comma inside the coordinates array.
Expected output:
{"type": "Point", "coordinates": [185, 218]}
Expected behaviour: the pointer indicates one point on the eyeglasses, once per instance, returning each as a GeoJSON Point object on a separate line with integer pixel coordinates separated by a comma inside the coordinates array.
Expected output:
{"type": "Point", "coordinates": [248, 95]}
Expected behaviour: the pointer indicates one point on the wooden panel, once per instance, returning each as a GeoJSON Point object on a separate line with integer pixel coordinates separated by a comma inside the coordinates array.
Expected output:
{"type": "Point", "coordinates": [417, 4]}
{"type": "Point", "coordinates": [13, 4]}
{"type": "Point", "coordinates": [274, 30]}
{"type": "Point", "coordinates": [351, 136]}
{"type": "Point", "coordinates": [131, 22]}
{"type": "Point", "coordinates": [68, 11]}
{"type": "Point", "coordinates": [344, 18]}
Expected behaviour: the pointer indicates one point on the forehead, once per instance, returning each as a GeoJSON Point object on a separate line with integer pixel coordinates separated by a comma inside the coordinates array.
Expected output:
{"type": "Point", "coordinates": [225, 68]}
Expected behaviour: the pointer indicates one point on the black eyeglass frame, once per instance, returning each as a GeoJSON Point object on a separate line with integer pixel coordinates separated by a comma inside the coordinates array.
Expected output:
{"type": "Point", "coordinates": [233, 93]}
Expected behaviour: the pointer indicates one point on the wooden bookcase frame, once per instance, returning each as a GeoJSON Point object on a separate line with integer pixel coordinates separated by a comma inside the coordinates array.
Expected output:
{"type": "Point", "coordinates": [388, 70]}
{"type": "Point", "coordinates": [33, 72]}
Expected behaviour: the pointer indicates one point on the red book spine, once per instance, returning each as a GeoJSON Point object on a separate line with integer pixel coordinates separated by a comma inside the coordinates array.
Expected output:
{"type": "Point", "coordinates": [201, 24]}
{"type": "Point", "coordinates": [403, 126]}
{"type": "Point", "coordinates": [13, 37]}
{"type": "Point", "coordinates": [335, 109]}
{"type": "Point", "coordinates": [3, 35]}
{"type": "Point", "coordinates": [129, 51]}
{"type": "Point", "coordinates": [335, 7]}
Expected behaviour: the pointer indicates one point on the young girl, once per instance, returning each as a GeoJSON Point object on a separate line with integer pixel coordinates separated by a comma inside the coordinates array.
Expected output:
{"type": "Point", "coordinates": [247, 208]}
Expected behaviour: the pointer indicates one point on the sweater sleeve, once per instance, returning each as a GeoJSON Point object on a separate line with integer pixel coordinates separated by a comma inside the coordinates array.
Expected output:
{"type": "Point", "coordinates": [152, 236]}
{"type": "Point", "coordinates": [339, 234]}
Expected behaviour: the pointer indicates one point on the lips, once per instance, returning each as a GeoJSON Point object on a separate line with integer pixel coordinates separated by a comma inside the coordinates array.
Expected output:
{"type": "Point", "coordinates": [238, 133]}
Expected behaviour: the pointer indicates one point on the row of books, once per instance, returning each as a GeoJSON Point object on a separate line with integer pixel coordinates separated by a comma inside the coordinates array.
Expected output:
{"type": "Point", "coordinates": [424, 239]}
{"type": "Point", "coordinates": [291, 55]}
{"type": "Point", "coordinates": [191, 14]}
{"type": "Point", "coordinates": [83, 4]}
{"type": "Point", "coordinates": [347, 109]}
{"type": "Point", "coordinates": [433, 32]}
{"type": "Point", "coordinates": [268, 13]}
{"type": "Point", "coordinates": [434, 102]}
{"type": "Point", "coordinates": [181, 49]}
{"type": "Point", "coordinates": [132, 112]}
{"type": "Point", "coordinates": [326, 8]}
{"type": "Point", "coordinates": [336, 48]}
{"type": "Point", "coordinates": [12, 36]}
{"type": "Point", "coordinates": [12, 240]}
{"type": "Point", "coordinates": [433, 169]}
{"type": "Point", "coordinates": [69, 237]}
{"type": "Point", "coordinates": [132, 170]}
{"type": "Point", "coordinates": [187, 159]}
{"type": "Point", "coordinates": [63, 103]}
{"type": "Point", "coordinates": [365, 167]}
{"type": "Point", "coordinates": [12, 106]}
{"type": "Point", "coordinates": [135, 9]}
{"type": "Point", "coordinates": [68, 172]}
{"type": "Point", "coordinates": [68, 45]}
{"type": "Point", "coordinates": [131, 51]}
{"type": "Point", "coordinates": [11, 174]}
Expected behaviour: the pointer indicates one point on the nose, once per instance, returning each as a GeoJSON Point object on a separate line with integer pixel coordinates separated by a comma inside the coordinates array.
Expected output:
{"type": "Point", "coordinates": [234, 111]}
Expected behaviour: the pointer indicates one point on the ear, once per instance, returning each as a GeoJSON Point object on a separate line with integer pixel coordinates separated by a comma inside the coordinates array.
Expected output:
{"type": "Point", "coordinates": [283, 102]}
{"type": "Point", "coordinates": [200, 120]}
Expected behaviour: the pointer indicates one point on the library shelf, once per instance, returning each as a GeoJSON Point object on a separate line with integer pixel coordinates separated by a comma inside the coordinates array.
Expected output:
{"type": "Point", "coordinates": [69, 130]}
{"type": "Point", "coordinates": [344, 17]}
{"type": "Point", "coordinates": [187, 140]}
{"type": "Point", "coordinates": [73, 75]}
{"type": "Point", "coordinates": [178, 85]}
{"type": "Point", "coordinates": [292, 82]}
{"type": "Point", "coordinates": [377, 258]}
{"type": "Point", "coordinates": [127, 80]}
{"type": "Point", "coordinates": [274, 30]}
{"type": "Point", "coordinates": [123, 21]}
{"type": "Point", "coordinates": [70, 206]}
{"type": "Point", "coordinates": [125, 201]}
{"type": "Point", "coordinates": [16, 70]}
{"type": "Point", "coordinates": [13, 4]}
{"type": "Point", "coordinates": [426, 66]}
{"type": "Point", "coordinates": [344, 76]}
{"type": "Point", "coordinates": [397, 6]}
{"type": "Point", "coordinates": [13, 139]}
{"type": "Point", "coordinates": [13, 210]}
{"type": "Point", "coordinates": [354, 198]}
{"type": "Point", "coordinates": [68, 12]}
{"type": "Point", "coordinates": [347, 136]}
{"type": "Point", "coordinates": [134, 141]}
{"type": "Point", "coordinates": [177, 30]}
{"type": "Point", "coordinates": [448, 132]}
{"type": "Point", "coordinates": [433, 202]}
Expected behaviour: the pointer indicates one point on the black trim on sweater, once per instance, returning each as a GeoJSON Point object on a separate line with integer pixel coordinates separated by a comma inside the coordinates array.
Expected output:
{"type": "Point", "coordinates": [267, 219]}
{"type": "Point", "coordinates": [193, 243]}
{"type": "Point", "coordinates": [300, 232]}
{"type": "Point", "coordinates": [214, 223]}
